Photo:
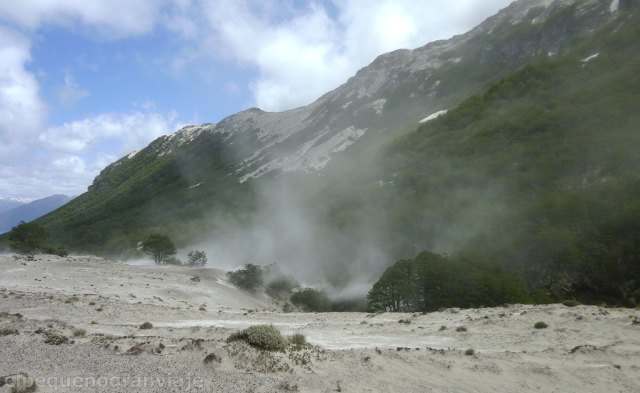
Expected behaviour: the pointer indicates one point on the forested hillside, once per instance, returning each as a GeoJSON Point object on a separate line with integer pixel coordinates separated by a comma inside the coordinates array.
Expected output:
{"type": "Point", "coordinates": [540, 173]}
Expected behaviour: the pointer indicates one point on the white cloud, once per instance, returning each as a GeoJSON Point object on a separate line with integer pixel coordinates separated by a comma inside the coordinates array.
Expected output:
{"type": "Point", "coordinates": [302, 54]}
{"type": "Point", "coordinates": [22, 112]}
{"type": "Point", "coordinates": [65, 159]}
{"type": "Point", "coordinates": [109, 18]}
{"type": "Point", "coordinates": [117, 133]}
{"type": "Point", "coordinates": [71, 92]}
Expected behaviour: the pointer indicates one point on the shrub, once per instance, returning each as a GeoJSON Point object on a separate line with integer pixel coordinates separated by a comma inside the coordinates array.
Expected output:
{"type": "Point", "coordinates": [311, 300]}
{"type": "Point", "coordinates": [212, 357]}
{"type": "Point", "coordinates": [469, 352]}
{"type": "Point", "coordinates": [442, 328]}
{"type": "Point", "coordinates": [540, 325]}
{"type": "Point", "coordinates": [99, 309]}
{"type": "Point", "coordinates": [173, 260]}
{"type": "Point", "coordinates": [146, 325]}
{"type": "Point", "coordinates": [571, 303]}
{"type": "Point", "coordinates": [298, 339]}
{"type": "Point", "coordinates": [196, 259]}
{"type": "Point", "coordinates": [405, 321]}
{"type": "Point", "coordinates": [250, 277]}
{"type": "Point", "coordinates": [72, 299]}
{"type": "Point", "coordinates": [461, 329]}
{"type": "Point", "coordinates": [195, 278]}
{"type": "Point", "coordinates": [8, 332]}
{"type": "Point", "coordinates": [79, 332]}
{"type": "Point", "coordinates": [266, 337]}
{"type": "Point", "coordinates": [56, 339]}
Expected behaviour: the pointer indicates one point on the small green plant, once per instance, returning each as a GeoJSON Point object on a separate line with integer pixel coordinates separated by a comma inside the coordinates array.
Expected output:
{"type": "Point", "coordinates": [8, 332]}
{"type": "Point", "coordinates": [21, 383]}
{"type": "Point", "coordinates": [79, 333]}
{"type": "Point", "coordinates": [212, 357]}
{"type": "Point", "coordinates": [287, 307]}
{"type": "Point", "coordinates": [442, 328]}
{"type": "Point", "coordinates": [99, 309]}
{"type": "Point", "coordinates": [92, 303]}
{"type": "Point", "coordinates": [72, 299]}
{"type": "Point", "coordinates": [461, 329]}
{"type": "Point", "coordinates": [405, 321]}
{"type": "Point", "coordinates": [202, 308]}
{"type": "Point", "coordinates": [94, 322]}
{"type": "Point", "coordinates": [56, 339]}
{"type": "Point", "coordinates": [540, 325]}
{"type": "Point", "coordinates": [298, 339]}
{"type": "Point", "coordinates": [470, 352]}
{"type": "Point", "coordinates": [266, 337]}
{"type": "Point", "coordinates": [571, 303]}
{"type": "Point", "coordinates": [146, 325]}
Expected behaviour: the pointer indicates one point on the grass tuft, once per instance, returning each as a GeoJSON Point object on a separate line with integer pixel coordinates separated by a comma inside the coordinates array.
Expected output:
{"type": "Point", "coordinates": [540, 325]}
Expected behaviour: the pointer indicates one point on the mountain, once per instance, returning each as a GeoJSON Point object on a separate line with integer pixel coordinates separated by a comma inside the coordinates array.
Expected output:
{"type": "Point", "coordinates": [514, 143]}
{"type": "Point", "coordinates": [30, 211]}
{"type": "Point", "coordinates": [10, 203]}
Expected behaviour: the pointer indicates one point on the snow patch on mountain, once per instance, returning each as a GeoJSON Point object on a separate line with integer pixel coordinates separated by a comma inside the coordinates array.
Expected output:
{"type": "Point", "coordinates": [434, 116]}
{"type": "Point", "coordinates": [614, 5]}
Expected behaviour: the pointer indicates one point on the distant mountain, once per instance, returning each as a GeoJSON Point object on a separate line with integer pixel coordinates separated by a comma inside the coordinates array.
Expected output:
{"type": "Point", "coordinates": [10, 203]}
{"type": "Point", "coordinates": [30, 211]}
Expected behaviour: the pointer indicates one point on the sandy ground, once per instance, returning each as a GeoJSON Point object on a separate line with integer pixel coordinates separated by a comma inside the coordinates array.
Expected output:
{"type": "Point", "coordinates": [584, 348]}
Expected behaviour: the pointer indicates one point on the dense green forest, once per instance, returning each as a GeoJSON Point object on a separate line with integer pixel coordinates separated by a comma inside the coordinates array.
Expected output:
{"type": "Point", "coordinates": [547, 162]}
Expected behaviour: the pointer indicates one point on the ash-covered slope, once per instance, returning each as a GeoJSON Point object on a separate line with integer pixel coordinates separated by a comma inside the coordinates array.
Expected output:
{"type": "Point", "coordinates": [186, 183]}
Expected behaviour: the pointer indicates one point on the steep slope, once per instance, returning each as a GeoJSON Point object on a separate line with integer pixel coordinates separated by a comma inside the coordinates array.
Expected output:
{"type": "Point", "coordinates": [30, 211]}
{"type": "Point", "coordinates": [192, 183]}
{"type": "Point", "coordinates": [539, 173]}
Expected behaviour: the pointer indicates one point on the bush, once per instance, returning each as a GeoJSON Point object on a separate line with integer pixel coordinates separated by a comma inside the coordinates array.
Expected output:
{"type": "Point", "coordinates": [173, 260]}
{"type": "Point", "coordinates": [250, 277]}
{"type": "Point", "coordinates": [461, 329]}
{"type": "Point", "coordinates": [442, 328]}
{"type": "Point", "coordinates": [571, 303]}
{"type": "Point", "coordinates": [79, 332]}
{"type": "Point", "coordinates": [469, 352]}
{"type": "Point", "coordinates": [196, 258]}
{"type": "Point", "coordinates": [56, 339]}
{"type": "Point", "coordinates": [540, 325]}
{"type": "Point", "coordinates": [298, 339]}
{"type": "Point", "coordinates": [266, 337]}
{"type": "Point", "coordinates": [72, 299]}
{"type": "Point", "coordinates": [146, 325]}
{"type": "Point", "coordinates": [311, 300]}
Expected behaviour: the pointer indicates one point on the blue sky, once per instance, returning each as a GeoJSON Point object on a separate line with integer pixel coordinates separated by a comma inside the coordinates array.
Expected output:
{"type": "Point", "coordinates": [83, 83]}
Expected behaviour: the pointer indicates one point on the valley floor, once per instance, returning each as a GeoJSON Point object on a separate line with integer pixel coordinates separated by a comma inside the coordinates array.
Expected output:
{"type": "Point", "coordinates": [583, 349]}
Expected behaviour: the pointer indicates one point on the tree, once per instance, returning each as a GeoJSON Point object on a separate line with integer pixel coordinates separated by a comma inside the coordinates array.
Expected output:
{"type": "Point", "coordinates": [160, 247]}
{"type": "Point", "coordinates": [27, 237]}
{"type": "Point", "coordinates": [196, 259]}
{"type": "Point", "coordinates": [251, 277]}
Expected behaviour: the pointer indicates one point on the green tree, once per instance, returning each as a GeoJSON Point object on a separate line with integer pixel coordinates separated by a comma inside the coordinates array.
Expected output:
{"type": "Point", "coordinates": [159, 247]}
{"type": "Point", "coordinates": [196, 259]}
{"type": "Point", "coordinates": [27, 237]}
{"type": "Point", "coordinates": [251, 277]}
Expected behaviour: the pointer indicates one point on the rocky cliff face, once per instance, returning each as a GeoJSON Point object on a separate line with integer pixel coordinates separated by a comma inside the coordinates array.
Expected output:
{"type": "Point", "coordinates": [400, 88]}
